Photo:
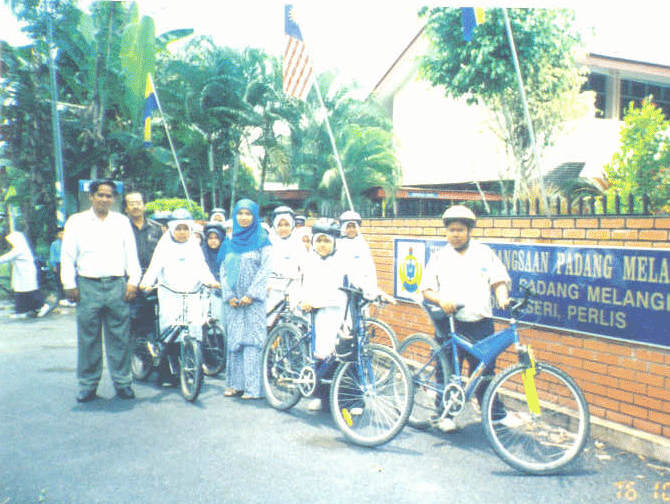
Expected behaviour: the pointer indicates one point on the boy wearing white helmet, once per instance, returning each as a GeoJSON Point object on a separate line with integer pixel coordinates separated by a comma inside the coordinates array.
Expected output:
{"type": "Point", "coordinates": [465, 272]}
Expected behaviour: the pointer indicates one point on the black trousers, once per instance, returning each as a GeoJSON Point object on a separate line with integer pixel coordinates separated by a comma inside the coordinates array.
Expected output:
{"type": "Point", "coordinates": [475, 331]}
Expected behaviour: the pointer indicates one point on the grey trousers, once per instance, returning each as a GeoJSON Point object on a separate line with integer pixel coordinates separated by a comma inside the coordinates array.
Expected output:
{"type": "Point", "coordinates": [101, 306]}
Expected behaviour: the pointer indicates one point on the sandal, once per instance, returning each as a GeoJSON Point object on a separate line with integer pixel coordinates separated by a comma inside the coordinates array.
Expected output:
{"type": "Point", "coordinates": [232, 392]}
{"type": "Point", "coordinates": [247, 396]}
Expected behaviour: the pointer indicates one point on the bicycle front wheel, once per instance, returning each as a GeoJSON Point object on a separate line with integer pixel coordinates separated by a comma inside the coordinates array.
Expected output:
{"type": "Point", "coordinates": [213, 349]}
{"type": "Point", "coordinates": [285, 355]}
{"type": "Point", "coordinates": [371, 398]}
{"type": "Point", "coordinates": [380, 333]}
{"type": "Point", "coordinates": [190, 369]}
{"type": "Point", "coordinates": [141, 361]}
{"type": "Point", "coordinates": [428, 367]}
{"type": "Point", "coordinates": [539, 426]}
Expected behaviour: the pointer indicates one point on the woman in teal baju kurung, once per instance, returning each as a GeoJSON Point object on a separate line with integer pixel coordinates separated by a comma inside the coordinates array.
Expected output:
{"type": "Point", "coordinates": [244, 274]}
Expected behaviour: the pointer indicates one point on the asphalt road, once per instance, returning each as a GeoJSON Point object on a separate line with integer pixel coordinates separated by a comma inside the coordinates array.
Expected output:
{"type": "Point", "coordinates": [161, 449]}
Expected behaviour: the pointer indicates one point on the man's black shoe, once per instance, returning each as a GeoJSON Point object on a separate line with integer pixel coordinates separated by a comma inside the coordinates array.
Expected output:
{"type": "Point", "coordinates": [86, 396]}
{"type": "Point", "coordinates": [125, 393]}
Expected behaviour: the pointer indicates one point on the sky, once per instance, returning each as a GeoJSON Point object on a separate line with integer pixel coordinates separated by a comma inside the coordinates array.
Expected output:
{"type": "Point", "coordinates": [363, 38]}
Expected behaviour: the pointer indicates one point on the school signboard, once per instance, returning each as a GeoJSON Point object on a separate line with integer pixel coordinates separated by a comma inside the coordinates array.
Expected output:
{"type": "Point", "coordinates": [620, 293]}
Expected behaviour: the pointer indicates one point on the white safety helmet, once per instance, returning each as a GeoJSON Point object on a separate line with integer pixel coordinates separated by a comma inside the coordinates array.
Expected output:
{"type": "Point", "coordinates": [459, 213]}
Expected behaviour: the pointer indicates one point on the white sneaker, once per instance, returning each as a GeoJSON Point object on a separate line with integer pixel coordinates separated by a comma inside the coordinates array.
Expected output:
{"type": "Point", "coordinates": [315, 405]}
{"type": "Point", "coordinates": [65, 302]}
{"type": "Point", "coordinates": [447, 425]}
{"type": "Point", "coordinates": [44, 310]}
{"type": "Point", "coordinates": [511, 421]}
{"type": "Point", "coordinates": [18, 316]}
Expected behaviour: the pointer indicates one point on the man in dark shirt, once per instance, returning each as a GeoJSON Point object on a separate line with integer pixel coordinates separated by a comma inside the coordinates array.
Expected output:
{"type": "Point", "coordinates": [147, 232]}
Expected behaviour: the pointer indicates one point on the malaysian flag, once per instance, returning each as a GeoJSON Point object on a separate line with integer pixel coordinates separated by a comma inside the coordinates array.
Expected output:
{"type": "Point", "coordinates": [297, 63]}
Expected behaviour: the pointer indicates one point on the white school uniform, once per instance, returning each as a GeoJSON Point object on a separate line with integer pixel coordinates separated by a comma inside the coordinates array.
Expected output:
{"type": "Point", "coordinates": [182, 267]}
{"type": "Point", "coordinates": [24, 272]}
{"type": "Point", "coordinates": [286, 258]}
{"type": "Point", "coordinates": [321, 289]}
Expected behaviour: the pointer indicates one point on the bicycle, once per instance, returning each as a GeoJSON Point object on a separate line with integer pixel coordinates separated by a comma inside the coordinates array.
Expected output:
{"type": "Point", "coordinates": [214, 343]}
{"type": "Point", "coordinates": [173, 351]}
{"type": "Point", "coordinates": [371, 389]}
{"type": "Point", "coordinates": [534, 415]}
{"type": "Point", "coordinates": [282, 311]}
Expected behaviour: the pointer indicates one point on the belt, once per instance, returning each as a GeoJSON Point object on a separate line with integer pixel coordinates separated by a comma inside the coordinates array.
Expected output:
{"type": "Point", "coordinates": [102, 279]}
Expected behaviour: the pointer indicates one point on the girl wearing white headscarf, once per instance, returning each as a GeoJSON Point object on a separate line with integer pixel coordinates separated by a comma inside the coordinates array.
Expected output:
{"type": "Point", "coordinates": [286, 257]}
{"type": "Point", "coordinates": [27, 297]}
{"type": "Point", "coordinates": [355, 249]}
{"type": "Point", "coordinates": [179, 263]}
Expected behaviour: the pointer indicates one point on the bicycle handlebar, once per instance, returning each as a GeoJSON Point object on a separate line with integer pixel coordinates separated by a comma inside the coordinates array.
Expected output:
{"type": "Point", "coordinates": [359, 291]}
{"type": "Point", "coordinates": [518, 304]}
{"type": "Point", "coordinates": [184, 293]}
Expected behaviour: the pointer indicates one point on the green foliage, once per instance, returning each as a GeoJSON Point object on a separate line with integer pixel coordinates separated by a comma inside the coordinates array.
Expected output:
{"type": "Point", "coordinates": [482, 71]}
{"type": "Point", "coordinates": [224, 107]}
{"type": "Point", "coordinates": [170, 204]}
{"type": "Point", "coordinates": [137, 58]}
{"type": "Point", "coordinates": [642, 165]}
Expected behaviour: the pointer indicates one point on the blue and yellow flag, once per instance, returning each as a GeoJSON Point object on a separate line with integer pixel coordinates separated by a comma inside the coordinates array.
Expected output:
{"type": "Point", "coordinates": [472, 17]}
{"type": "Point", "coordinates": [150, 104]}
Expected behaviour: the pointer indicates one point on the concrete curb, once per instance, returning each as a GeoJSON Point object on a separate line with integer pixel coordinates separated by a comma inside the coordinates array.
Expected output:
{"type": "Point", "coordinates": [631, 440]}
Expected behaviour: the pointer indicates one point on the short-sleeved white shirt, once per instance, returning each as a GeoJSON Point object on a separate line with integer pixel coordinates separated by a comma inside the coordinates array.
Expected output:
{"type": "Point", "coordinates": [465, 278]}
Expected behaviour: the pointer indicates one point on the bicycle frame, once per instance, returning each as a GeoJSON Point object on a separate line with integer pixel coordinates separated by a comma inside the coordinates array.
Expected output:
{"type": "Point", "coordinates": [486, 351]}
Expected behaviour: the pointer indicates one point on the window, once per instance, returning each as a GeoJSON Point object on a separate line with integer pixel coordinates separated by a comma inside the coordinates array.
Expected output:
{"type": "Point", "coordinates": [636, 91]}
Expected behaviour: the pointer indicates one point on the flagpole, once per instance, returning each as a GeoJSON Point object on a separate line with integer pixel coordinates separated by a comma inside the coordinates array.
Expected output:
{"type": "Point", "coordinates": [526, 114]}
{"type": "Point", "coordinates": [167, 133]}
{"type": "Point", "coordinates": [332, 143]}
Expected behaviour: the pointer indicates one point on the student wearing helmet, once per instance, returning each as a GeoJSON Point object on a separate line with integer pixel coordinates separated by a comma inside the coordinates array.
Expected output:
{"type": "Point", "coordinates": [465, 272]}
{"type": "Point", "coordinates": [285, 255]}
{"type": "Point", "coordinates": [325, 270]}
{"type": "Point", "coordinates": [179, 263]}
{"type": "Point", "coordinates": [217, 215]}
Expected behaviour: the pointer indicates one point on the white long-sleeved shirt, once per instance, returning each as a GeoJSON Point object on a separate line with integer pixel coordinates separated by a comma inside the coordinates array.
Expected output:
{"type": "Point", "coordinates": [24, 272]}
{"type": "Point", "coordinates": [95, 248]}
{"type": "Point", "coordinates": [181, 266]}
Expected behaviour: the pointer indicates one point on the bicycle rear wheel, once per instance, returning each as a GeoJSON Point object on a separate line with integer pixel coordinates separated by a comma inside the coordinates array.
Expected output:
{"type": "Point", "coordinates": [213, 349]}
{"type": "Point", "coordinates": [428, 367]}
{"type": "Point", "coordinates": [141, 361]}
{"type": "Point", "coordinates": [371, 398]}
{"type": "Point", "coordinates": [541, 441]}
{"type": "Point", "coordinates": [190, 368]}
{"type": "Point", "coordinates": [285, 355]}
{"type": "Point", "coordinates": [380, 333]}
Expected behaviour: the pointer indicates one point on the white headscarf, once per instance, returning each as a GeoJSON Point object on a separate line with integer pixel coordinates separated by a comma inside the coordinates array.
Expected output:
{"type": "Point", "coordinates": [285, 216]}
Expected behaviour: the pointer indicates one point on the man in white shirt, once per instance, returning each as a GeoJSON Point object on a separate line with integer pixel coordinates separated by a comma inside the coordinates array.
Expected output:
{"type": "Point", "coordinates": [100, 271]}
{"type": "Point", "coordinates": [465, 273]}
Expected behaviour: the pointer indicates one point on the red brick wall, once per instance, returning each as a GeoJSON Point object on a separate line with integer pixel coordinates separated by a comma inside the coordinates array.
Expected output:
{"type": "Point", "coordinates": [623, 382]}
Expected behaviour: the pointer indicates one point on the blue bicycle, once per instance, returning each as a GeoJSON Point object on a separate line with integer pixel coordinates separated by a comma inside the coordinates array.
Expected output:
{"type": "Point", "coordinates": [534, 415]}
{"type": "Point", "coordinates": [370, 390]}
